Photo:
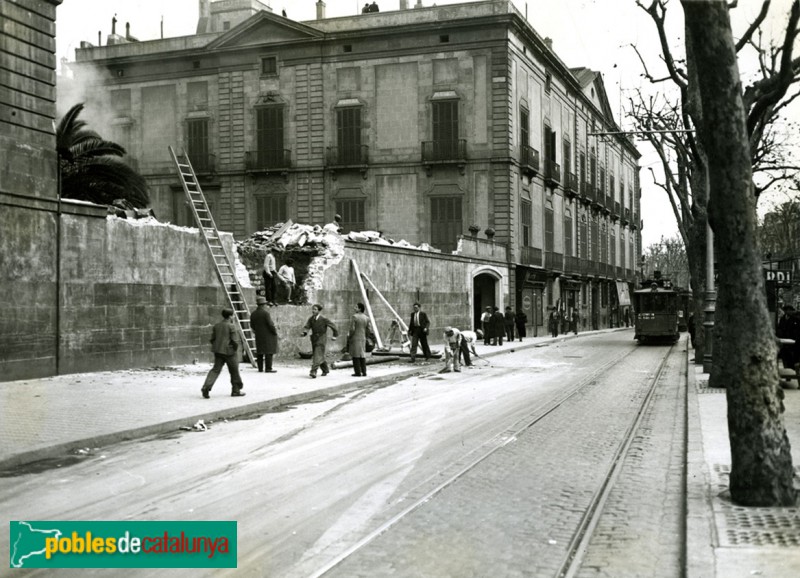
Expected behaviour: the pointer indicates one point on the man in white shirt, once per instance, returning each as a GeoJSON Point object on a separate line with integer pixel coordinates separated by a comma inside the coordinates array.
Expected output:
{"type": "Point", "coordinates": [286, 275]}
{"type": "Point", "coordinates": [452, 345]}
{"type": "Point", "coordinates": [270, 270]}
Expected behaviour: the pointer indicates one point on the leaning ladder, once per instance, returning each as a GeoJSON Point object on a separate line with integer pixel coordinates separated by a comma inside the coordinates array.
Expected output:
{"type": "Point", "coordinates": [222, 263]}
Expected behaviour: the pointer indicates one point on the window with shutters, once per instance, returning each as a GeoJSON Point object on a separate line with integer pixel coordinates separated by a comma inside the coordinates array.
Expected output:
{"type": "Point", "coordinates": [269, 136]}
{"type": "Point", "coordinates": [604, 244]}
{"type": "Point", "coordinates": [613, 260]}
{"type": "Point", "coordinates": [595, 240]}
{"type": "Point", "coordinates": [197, 144]}
{"type": "Point", "coordinates": [353, 213]}
{"type": "Point", "coordinates": [568, 234]}
{"type": "Point", "coordinates": [583, 239]}
{"type": "Point", "coordinates": [446, 222]}
{"type": "Point", "coordinates": [269, 66]}
{"type": "Point", "coordinates": [348, 135]}
{"type": "Point", "coordinates": [524, 127]}
{"type": "Point", "coordinates": [567, 160]}
{"type": "Point", "coordinates": [548, 228]}
{"type": "Point", "coordinates": [445, 129]}
{"type": "Point", "coordinates": [270, 209]}
{"type": "Point", "coordinates": [525, 219]}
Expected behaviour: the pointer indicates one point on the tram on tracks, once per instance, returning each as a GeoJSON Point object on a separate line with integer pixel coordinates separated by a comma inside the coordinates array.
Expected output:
{"type": "Point", "coordinates": [656, 314]}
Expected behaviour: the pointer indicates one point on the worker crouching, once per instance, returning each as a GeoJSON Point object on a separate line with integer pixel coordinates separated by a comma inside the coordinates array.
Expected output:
{"type": "Point", "coordinates": [452, 345]}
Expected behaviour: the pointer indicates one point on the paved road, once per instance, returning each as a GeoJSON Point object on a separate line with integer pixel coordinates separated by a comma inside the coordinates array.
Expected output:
{"type": "Point", "coordinates": [310, 484]}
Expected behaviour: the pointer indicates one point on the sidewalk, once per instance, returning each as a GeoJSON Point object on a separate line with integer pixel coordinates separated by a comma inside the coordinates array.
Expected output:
{"type": "Point", "coordinates": [723, 539]}
{"type": "Point", "coordinates": [56, 416]}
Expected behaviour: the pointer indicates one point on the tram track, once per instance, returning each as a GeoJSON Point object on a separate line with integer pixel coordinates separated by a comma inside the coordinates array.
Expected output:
{"type": "Point", "coordinates": [479, 454]}
{"type": "Point", "coordinates": [583, 534]}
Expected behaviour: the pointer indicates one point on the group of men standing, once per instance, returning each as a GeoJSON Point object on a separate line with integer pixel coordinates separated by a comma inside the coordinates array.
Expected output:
{"type": "Point", "coordinates": [495, 325]}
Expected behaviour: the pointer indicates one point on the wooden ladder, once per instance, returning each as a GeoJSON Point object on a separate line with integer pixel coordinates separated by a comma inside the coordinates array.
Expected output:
{"type": "Point", "coordinates": [222, 263]}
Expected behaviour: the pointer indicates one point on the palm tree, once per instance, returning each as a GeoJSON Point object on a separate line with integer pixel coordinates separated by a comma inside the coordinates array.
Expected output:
{"type": "Point", "coordinates": [91, 168]}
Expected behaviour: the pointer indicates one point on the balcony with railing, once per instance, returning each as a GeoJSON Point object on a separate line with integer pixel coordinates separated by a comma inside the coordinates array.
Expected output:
{"type": "Point", "coordinates": [530, 256]}
{"type": "Point", "coordinates": [529, 160]}
{"type": "Point", "coordinates": [636, 224]}
{"type": "Point", "coordinates": [552, 173]}
{"type": "Point", "coordinates": [608, 206]}
{"type": "Point", "coordinates": [345, 158]}
{"type": "Point", "coordinates": [572, 185]}
{"type": "Point", "coordinates": [444, 152]}
{"type": "Point", "coordinates": [268, 160]}
{"type": "Point", "coordinates": [616, 211]}
{"type": "Point", "coordinates": [626, 217]}
{"type": "Point", "coordinates": [572, 265]}
{"type": "Point", "coordinates": [598, 198]}
{"type": "Point", "coordinates": [553, 261]}
{"type": "Point", "coordinates": [586, 192]}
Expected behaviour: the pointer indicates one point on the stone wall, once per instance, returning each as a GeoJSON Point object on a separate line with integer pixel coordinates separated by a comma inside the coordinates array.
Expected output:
{"type": "Point", "coordinates": [129, 294]}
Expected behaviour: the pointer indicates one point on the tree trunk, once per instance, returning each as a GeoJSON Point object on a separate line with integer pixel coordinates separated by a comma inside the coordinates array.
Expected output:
{"type": "Point", "coordinates": [761, 463]}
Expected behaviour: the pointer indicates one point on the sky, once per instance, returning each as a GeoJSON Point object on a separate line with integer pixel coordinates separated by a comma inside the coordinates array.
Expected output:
{"type": "Point", "coordinates": [597, 34]}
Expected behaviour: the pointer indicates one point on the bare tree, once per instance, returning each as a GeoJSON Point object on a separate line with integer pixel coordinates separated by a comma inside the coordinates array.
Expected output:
{"type": "Point", "coordinates": [685, 177]}
{"type": "Point", "coordinates": [669, 257]}
{"type": "Point", "coordinates": [761, 462]}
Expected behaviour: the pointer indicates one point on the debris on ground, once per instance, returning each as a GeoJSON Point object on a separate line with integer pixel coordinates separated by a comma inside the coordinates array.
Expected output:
{"type": "Point", "coordinates": [376, 237]}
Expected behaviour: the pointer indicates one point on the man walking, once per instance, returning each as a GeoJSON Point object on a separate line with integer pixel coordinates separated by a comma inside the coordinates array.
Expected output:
{"type": "Point", "coordinates": [266, 335]}
{"type": "Point", "coordinates": [418, 329]}
{"type": "Point", "coordinates": [318, 325]}
{"type": "Point", "coordinates": [225, 344]}
{"type": "Point", "coordinates": [509, 321]}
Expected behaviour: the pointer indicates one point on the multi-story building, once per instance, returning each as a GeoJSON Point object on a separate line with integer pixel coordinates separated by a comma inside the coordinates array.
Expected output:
{"type": "Point", "coordinates": [425, 124]}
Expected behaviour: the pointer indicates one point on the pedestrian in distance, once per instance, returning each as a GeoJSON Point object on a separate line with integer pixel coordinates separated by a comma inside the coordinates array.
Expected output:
{"type": "Point", "coordinates": [691, 330]}
{"type": "Point", "coordinates": [552, 322]}
{"type": "Point", "coordinates": [225, 343]}
{"type": "Point", "coordinates": [357, 340]}
{"type": "Point", "coordinates": [418, 330]}
{"type": "Point", "coordinates": [498, 325]}
{"type": "Point", "coordinates": [269, 273]}
{"type": "Point", "coordinates": [265, 334]}
{"type": "Point", "coordinates": [576, 319]}
{"type": "Point", "coordinates": [287, 278]}
{"type": "Point", "coordinates": [486, 322]}
{"type": "Point", "coordinates": [521, 321]}
{"type": "Point", "coordinates": [509, 324]}
{"type": "Point", "coordinates": [452, 349]}
{"type": "Point", "coordinates": [318, 325]}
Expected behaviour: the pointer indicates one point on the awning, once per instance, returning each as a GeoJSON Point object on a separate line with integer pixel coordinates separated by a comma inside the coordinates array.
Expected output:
{"type": "Point", "coordinates": [623, 293]}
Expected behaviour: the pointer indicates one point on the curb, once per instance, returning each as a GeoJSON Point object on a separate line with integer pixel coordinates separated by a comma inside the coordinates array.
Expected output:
{"type": "Point", "coordinates": [699, 526]}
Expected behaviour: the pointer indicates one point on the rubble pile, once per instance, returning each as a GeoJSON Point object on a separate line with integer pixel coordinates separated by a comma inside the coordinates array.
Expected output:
{"type": "Point", "coordinates": [319, 247]}
{"type": "Point", "coordinates": [377, 238]}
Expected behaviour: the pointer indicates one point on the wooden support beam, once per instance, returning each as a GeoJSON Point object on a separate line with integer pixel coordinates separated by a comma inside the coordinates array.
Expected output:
{"type": "Point", "coordinates": [378, 342]}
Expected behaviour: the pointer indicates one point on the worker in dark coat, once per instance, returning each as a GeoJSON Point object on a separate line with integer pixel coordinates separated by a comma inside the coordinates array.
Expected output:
{"type": "Point", "coordinates": [498, 325]}
{"type": "Point", "coordinates": [266, 335]}
{"type": "Point", "coordinates": [521, 320]}
{"type": "Point", "coordinates": [226, 345]}
{"type": "Point", "coordinates": [509, 321]}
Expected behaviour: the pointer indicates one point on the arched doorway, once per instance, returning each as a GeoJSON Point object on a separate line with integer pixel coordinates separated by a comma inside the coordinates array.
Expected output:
{"type": "Point", "coordinates": [484, 294]}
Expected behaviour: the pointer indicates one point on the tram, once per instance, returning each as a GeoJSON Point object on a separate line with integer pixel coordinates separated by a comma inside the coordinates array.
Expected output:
{"type": "Point", "coordinates": [656, 314]}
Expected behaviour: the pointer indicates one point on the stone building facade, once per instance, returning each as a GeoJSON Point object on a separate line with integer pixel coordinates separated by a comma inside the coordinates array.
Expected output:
{"type": "Point", "coordinates": [426, 124]}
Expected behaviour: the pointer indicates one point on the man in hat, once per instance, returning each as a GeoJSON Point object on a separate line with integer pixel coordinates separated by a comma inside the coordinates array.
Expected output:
{"type": "Point", "coordinates": [486, 325]}
{"type": "Point", "coordinates": [318, 325]}
{"type": "Point", "coordinates": [266, 335]}
{"type": "Point", "coordinates": [225, 344]}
